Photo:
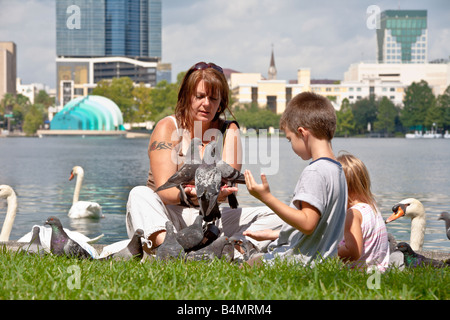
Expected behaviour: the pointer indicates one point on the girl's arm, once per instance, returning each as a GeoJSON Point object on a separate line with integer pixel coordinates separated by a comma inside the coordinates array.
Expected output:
{"type": "Point", "coordinates": [352, 249]}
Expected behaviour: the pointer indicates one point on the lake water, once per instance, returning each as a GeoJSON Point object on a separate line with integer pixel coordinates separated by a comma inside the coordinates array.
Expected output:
{"type": "Point", "coordinates": [39, 169]}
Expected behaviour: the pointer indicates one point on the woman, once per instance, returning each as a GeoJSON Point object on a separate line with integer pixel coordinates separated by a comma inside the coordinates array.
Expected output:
{"type": "Point", "coordinates": [202, 99]}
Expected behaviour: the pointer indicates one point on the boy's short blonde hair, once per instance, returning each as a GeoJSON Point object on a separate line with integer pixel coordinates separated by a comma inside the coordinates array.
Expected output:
{"type": "Point", "coordinates": [311, 111]}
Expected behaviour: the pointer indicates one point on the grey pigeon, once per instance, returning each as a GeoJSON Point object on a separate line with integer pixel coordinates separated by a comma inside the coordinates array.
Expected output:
{"type": "Point", "coordinates": [208, 180]}
{"type": "Point", "coordinates": [170, 248]}
{"type": "Point", "coordinates": [132, 251]}
{"type": "Point", "coordinates": [210, 176]}
{"type": "Point", "coordinates": [61, 244]}
{"type": "Point", "coordinates": [192, 235]}
{"type": "Point", "coordinates": [186, 173]}
{"type": "Point", "coordinates": [446, 217]}
{"type": "Point", "coordinates": [221, 247]}
{"type": "Point", "coordinates": [413, 259]}
{"type": "Point", "coordinates": [230, 176]}
{"type": "Point", "coordinates": [34, 247]}
{"type": "Point", "coordinates": [392, 242]}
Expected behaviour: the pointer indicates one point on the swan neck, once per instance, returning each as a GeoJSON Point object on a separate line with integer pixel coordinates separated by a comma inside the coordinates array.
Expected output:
{"type": "Point", "coordinates": [10, 216]}
{"type": "Point", "coordinates": [79, 182]}
{"type": "Point", "coordinates": [417, 233]}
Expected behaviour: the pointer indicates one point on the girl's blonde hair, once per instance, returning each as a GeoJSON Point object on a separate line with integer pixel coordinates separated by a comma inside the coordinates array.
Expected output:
{"type": "Point", "coordinates": [358, 179]}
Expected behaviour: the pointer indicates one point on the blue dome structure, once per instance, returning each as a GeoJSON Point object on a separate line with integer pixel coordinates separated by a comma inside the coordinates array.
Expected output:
{"type": "Point", "coordinates": [89, 113]}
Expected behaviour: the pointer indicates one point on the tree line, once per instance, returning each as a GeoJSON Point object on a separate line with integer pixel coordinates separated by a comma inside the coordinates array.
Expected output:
{"type": "Point", "coordinates": [421, 109]}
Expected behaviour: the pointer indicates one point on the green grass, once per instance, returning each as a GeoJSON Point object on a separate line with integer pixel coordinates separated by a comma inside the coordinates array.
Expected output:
{"type": "Point", "coordinates": [50, 277]}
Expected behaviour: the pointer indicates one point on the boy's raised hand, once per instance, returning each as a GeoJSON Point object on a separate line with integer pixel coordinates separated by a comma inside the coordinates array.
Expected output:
{"type": "Point", "coordinates": [259, 191]}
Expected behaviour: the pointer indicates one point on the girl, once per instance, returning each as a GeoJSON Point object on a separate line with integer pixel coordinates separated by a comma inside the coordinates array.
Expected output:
{"type": "Point", "coordinates": [365, 242]}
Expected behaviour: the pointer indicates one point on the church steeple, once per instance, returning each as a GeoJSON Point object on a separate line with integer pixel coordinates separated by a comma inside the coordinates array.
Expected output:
{"type": "Point", "coordinates": [272, 74]}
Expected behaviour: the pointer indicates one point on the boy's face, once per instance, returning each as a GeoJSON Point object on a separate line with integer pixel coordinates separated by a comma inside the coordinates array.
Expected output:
{"type": "Point", "coordinates": [297, 143]}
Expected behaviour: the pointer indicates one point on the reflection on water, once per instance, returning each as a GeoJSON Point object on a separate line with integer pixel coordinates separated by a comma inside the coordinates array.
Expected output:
{"type": "Point", "coordinates": [39, 169]}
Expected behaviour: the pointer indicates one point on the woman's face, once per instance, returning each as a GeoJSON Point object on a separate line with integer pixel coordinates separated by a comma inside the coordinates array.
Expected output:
{"type": "Point", "coordinates": [204, 107]}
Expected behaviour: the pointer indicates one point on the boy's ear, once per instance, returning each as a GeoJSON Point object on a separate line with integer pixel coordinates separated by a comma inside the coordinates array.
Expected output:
{"type": "Point", "coordinates": [301, 131]}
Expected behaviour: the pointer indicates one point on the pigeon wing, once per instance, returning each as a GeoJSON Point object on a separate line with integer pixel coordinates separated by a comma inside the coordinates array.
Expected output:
{"type": "Point", "coordinates": [185, 175]}
{"type": "Point", "coordinates": [73, 249]}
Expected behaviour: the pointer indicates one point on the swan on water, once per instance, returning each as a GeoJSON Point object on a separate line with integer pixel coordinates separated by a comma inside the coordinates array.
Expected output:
{"type": "Point", "coordinates": [413, 209]}
{"type": "Point", "coordinates": [82, 209]}
{"type": "Point", "coordinates": [6, 192]}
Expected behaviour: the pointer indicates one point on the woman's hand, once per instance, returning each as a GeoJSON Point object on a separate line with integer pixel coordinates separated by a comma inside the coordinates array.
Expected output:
{"type": "Point", "coordinates": [225, 191]}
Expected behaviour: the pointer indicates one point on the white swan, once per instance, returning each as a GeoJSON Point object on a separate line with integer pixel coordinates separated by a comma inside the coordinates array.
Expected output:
{"type": "Point", "coordinates": [82, 209]}
{"type": "Point", "coordinates": [6, 192]}
{"type": "Point", "coordinates": [414, 209]}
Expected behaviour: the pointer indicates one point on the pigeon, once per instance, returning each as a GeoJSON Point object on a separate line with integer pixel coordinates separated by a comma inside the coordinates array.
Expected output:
{"type": "Point", "coordinates": [210, 176]}
{"type": "Point", "coordinates": [413, 259]}
{"type": "Point", "coordinates": [191, 236]}
{"type": "Point", "coordinates": [170, 248]}
{"type": "Point", "coordinates": [446, 217]}
{"type": "Point", "coordinates": [186, 173]}
{"type": "Point", "coordinates": [132, 251]}
{"type": "Point", "coordinates": [61, 244]}
{"type": "Point", "coordinates": [392, 242]}
{"type": "Point", "coordinates": [208, 180]}
{"type": "Point", "coordinates": [221, 247]}
{"type": "Point", "coordinates": [34, 247]}
{"type": "Point", "coordinates": [230, 176]}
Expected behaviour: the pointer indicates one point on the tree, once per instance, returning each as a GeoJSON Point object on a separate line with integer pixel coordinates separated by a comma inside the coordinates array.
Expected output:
{"type": "Point", "coordinates": [443, 104]}
{"type": "Point", "coordinates": [418, 99]}
{"type": "Point", "coordinates": [364, 112]}
{"type": "Point", "coordinates": [345, 122]}
{"type": "Point", "coordinates": [119, 90]}
{"type": "Point", "coordinates": [164, 99]}
{"type": "Point", "coordinates": [34, 119]}
{"type": "Point", "coordinates": [386, 115]}
{"type": "Point", "coordinates": [143, 101]}
{"type": "Point", "coordinates": [43, 98]}
{"type": "Point", "coordinates": [252, 116]}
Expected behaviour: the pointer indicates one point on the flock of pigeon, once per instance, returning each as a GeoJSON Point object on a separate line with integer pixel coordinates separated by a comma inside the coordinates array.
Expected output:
{"type": "Point", "coordinates": [187, 244]}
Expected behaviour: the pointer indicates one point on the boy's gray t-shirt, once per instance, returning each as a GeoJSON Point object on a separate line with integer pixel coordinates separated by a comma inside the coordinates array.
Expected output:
{"type": "Point", "coordinates": [322, 184]}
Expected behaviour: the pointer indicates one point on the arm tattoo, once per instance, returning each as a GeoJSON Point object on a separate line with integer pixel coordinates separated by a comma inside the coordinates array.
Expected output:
{"type": "Point", "coordinates": [160, 145]}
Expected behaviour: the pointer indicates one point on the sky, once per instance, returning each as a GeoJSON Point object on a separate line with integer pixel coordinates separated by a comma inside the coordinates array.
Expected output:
{"type": "Point", "coordinates": [326, 36]}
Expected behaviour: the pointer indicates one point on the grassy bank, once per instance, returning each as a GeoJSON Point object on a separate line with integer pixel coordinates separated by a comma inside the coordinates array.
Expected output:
{"type": "Point", "coordinates": [50, 277]}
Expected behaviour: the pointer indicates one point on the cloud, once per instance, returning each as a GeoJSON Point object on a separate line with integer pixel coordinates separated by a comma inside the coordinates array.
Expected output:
{"type": "Point", "coordinates": [31, 25]}
{"type": "Point", "coordinates": [324, 35]}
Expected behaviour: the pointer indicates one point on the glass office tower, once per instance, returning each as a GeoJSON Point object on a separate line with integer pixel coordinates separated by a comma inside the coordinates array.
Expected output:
{"type": "Point", "coordinates": [93, 28]}
{"type": "Point", "coordinates": [127, 28]}
{"type": "Point", "coordinates": [105, 39]}
{"type": "Point", "coordinates": [155, 41]}
{"type": "Point", "coordinates": [80, 28]}
{"type": "Point", "coordinates": [402, 37]}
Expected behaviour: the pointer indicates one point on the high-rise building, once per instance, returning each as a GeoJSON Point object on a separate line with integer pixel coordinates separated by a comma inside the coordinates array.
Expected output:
{"type": "Point", "coordinates": [8, 68]}
{"type": "Point", "coordinates": [105, 39]}
{"type": "Point", "coordinates": [402, 37]}
{"type": "Point", "coordinates": [99, 28]}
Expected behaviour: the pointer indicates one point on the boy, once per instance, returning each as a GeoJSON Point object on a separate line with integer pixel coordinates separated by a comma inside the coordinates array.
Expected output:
{"type": "Point", "coordinates": [314, 220]}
